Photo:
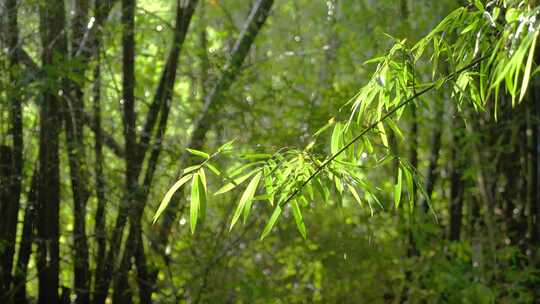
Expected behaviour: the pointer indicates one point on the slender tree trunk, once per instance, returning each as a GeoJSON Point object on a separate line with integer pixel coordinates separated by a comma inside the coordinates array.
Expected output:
{"type": "Point", "coordinates": [52, 27]}
{"type": "Point", "coordinates": [129, 120]}
{"type": "Point", "coordinates": [13, 155]}
{"type": "Point", "coordinates": [534, 193]}
{"type": "Point", "coordinates": [5, 205]}
{"type": "Point", "coordinates": [25, 244]}
{"type": "Point", "coordinates": [73, 119]}
{"type": "Point", "coordinates": [431, 177]}
{"type": "Point", "coordinates": [100, 215]}
{"type": "Point", "coordinates": [457, 187]}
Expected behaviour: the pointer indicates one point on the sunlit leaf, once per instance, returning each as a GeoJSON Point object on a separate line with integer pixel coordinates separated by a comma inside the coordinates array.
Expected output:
{"type": "Point", "coordinates": [355, 194]}
{"type": "Point", "coordinates": [272, 221]}
{"type": "Point", "coordinates": [248, 195]}
{"type": "Point", "coordinates": [397, 189]}
{"type": "Point", "coordinates": [335, 144]}
{"type": "Point", "coordinates": [234, 183]}
{"type": "Point", "coordinates": [246, 198]}
{"type": "Point", "coordinates": [528, 68]}
{"type": "Point", "coordinates": [165, 202]}
{"type": "Point", "coordinates": [191, 169]}
{"type": "Point", "coordinates": [298, 219]}
{"type": "Point", "coordinates": [202, 194]}
{"type": "Point", "coordinates": [212, 168]}
{"type": "Point", "coordinates": [198, 153]}
{"type": "Point", "coordinates": [194, 202]}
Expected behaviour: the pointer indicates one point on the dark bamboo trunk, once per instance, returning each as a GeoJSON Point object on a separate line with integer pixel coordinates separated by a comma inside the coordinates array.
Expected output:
{"type": "Point", "coordinates": [431, 176]}
{"type": "Point", "coordinates": [12, 157]}
{"type": "Point", "coordinates": [52, 28]}
{"type": "Point", "coordinates": [100, 215]}
{"type": "Point", "coordinates": [129, 120]}
{"type": "Point", "coordinates": [25, 244]}
{"type": "Point", "coordinates": [73, 109]}
{"type": "Point", "coordinates": [457, 186]}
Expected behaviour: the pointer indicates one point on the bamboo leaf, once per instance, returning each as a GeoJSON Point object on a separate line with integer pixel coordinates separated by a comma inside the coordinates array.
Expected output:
{"type": "Point", "coordinates": [325, 127]}
{"type": "Point", "coordinates": [246, 196]}
{"type": "Point", "coordinates": [298, 219]}
{"type": "Point", "coordinates": [528, 68]}
{"type": "Point", "coordinates": [234, 183]}
{"type": "Point", "coordinates": [195, 202]}
{"type": "Point", "coordinates": [165, 202]}
{"type": "Point", "coordinates": [202, 194]}
{"type": "Point", "coordinates": [271, 222]}
{"type": "Point", "coordinates": [213, 169]}
{"type": "Point", "coordinates": [355, 195]}
{"type": "Point", "coordinates": [191, 169]}
{"type": "Point", "coordinates": [397, 189]}
{"type": "Point", "coordinates": [383, 134]}
{"type": "Point", "coordinates": [336, 139]}
{"type": "Point", "coordinates": [339, 185]}
{"type": "Point", "coordinates": [226, 146]}
{"type": "Point", "coordinates": [198, 153]}
{"type": "Point", "coordinates": [250, 193]}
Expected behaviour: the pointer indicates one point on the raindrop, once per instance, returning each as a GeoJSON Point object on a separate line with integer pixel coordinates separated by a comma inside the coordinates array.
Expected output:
{"type": "Point", "coordinates": [91, 23]}
{"type": "Point", "coordinates": [182, 221]}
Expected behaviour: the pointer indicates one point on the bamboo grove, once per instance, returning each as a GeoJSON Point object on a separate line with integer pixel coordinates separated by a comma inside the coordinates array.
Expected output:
{"type": "Point", "coordinates": [128, 172]}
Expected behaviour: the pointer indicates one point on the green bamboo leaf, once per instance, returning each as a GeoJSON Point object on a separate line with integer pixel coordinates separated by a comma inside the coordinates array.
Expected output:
{"type": "Point", "coordinates": [234, 183]}
{"type": "Point", "coordinates": [238, 170]}
{"type": "Point", "coordinates": [272, 221]}
{"type": "Point", "coordinates": [323, 191]}
{"type": "Point", "coordinates": [383, 134]}
{"type": "Point", "coordinates": [202, 194]}
{"type": "Point", "coordinates": [479, 5]}
{"type": "Point", "coordinates": [298, 219]}
{"type": "Point", "coordinates": [191, 169]}
{"type": "Point", "coordinates": [325, 127]}
{"type": "Point", "coordinates": [226, 146]}
{"type": "Point", "coordinates": [249, 194]}
{"type": "Point", "coordinates": [339, 185]}
{"type": "Point", "coordinates": [165, 202]}
{"type": "Point", "coordinates": [397, 189]}
{"type": "Point", "coordinates": [246, 196]}
{"type": "Point", "coordinates": [410, 186]}
{"type": "Point", "coordinates": [528, 68]}
{"type": "Point", "coordinates": [511, 15]}
{"type": "Point", "coordinates": [355, 194]}
{"type": "Point", "coordinates": [198, 153]}
{"type": "Point", "coordinates": [269, 186]}
{"type": "Point", "coordinates": [213, 169]}
{"type": "Point", "coordinates": [335, 144]}
{"type": "Point", "coordinates": [195, 202]}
